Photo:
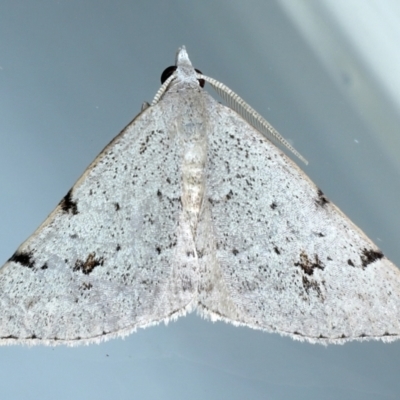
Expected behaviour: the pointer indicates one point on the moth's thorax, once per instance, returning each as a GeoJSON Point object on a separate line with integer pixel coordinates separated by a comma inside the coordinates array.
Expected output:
{"type": "Point", "coordinates": [193, 128]}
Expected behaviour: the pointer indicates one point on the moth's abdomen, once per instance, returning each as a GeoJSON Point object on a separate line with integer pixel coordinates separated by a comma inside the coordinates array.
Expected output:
{"type": "Point", "coordinates": [193, 179]}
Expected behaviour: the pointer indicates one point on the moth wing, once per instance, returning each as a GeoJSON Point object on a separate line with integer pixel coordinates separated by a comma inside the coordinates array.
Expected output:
{"type": "Point", "coordinates": [101, 265]}
{"type": "Point", "coordinates": [287, 260]}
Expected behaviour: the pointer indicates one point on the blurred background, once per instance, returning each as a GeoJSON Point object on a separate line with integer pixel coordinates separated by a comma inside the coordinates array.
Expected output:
{"type": "Point", "coordinates": [325, 73]}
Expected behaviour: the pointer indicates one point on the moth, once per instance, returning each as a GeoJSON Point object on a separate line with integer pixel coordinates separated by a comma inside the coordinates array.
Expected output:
{"type": "Point", "coordinates": [191, 207]}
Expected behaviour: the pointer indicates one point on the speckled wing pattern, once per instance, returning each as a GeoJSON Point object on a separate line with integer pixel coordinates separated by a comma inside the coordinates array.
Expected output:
{"type": "Point", "coordinates": [189, 207]}
{"type": "Point", "coordinates": [290, 260]}
{"type": "Point", "coordinates": [101, 264]}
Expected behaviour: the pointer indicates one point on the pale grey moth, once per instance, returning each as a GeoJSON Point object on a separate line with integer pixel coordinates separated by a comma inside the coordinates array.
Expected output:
{"type": "Point", "coordinates": [192, 208]}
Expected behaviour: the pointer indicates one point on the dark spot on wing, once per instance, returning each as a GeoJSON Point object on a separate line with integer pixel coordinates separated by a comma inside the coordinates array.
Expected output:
{"type": "Point", "coordinates": [25, 259]}
{"type": "Point", "coordinates": [390, 334]}
{"type": "Point", "coordinates": [321, 199]}
{"type": "Point", "coordinates": [228, 169]}
{"type": "Point", "coordinates": [172, 200]}
{"type": "Point", "coordinates": [273, 205]}
{"type": "Point", "coordinates": [311, 284]}
{"type": "Point", "coordinates": [158, 249]}
{"type": "Point", "coordinates": [172, 244]}
{"type": "Point", "coordinates": [44, 266]}
{"type": "Point", "coordinates": [68, 205]}
{"type": "Point", "coordinates": [277, 250]}
{"type": "Point", "coordinates": [118, 248]}
{"type": "Point", "coordinates": [235, 252]}
{"type": "Point", "coordinates": [307, 265]}
{"type": "Point", "coordinates": [117, 207]}
{"type": "Point", "coordinates": [159, 194]}
{"type": "Point", "coordinates": [350, 262]}
{"type": "Point", "coordinates": [229, 195]}
{"type": "Point", "coordinates": [343, 336]}
{"type": "Point", "coordinates": [187, 284]}
{"type": "Point", "coordinates": [89, 264]}
{"type": "Point", "coordinates": [369, 256]}
{"type": "Point", "coordinates": [143, 145]}
{"type": "Point", "coordinates": [86, 286]}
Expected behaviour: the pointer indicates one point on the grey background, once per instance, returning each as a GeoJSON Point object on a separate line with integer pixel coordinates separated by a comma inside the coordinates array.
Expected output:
{"type": "Point", "coordinates": [73, 74]}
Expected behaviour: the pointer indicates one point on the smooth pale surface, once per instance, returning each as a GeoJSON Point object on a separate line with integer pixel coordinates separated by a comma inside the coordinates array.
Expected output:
{"type": "Point", "coordinates": [62, 60]}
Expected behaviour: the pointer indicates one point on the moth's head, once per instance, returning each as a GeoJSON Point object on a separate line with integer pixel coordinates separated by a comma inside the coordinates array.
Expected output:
{"type": "Point", "coordinates": [182, 57]}
{"type": "Point", "coordinates": [183, 68]}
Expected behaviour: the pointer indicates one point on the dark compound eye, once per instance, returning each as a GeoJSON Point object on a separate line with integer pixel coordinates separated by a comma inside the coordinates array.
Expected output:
{"type": "Point", "coordinates": [201, 81]}
{"type": "Point", "coordinates": [170, 70]}
{"type": "Point", "coordinates": [167, 73]}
